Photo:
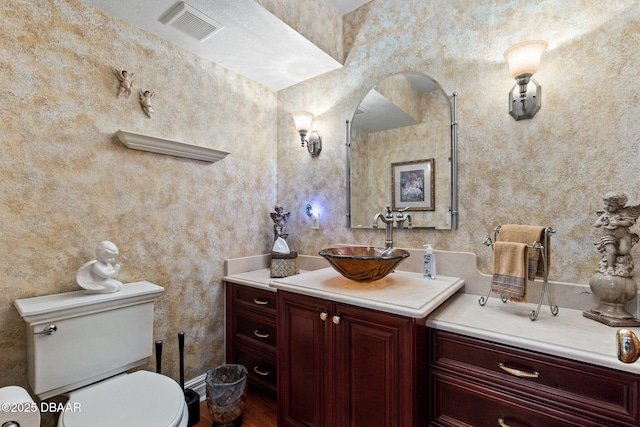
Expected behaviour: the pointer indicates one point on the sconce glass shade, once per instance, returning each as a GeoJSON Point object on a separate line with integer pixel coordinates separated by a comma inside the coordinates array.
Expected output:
{"type": "Point", "coordinates": [302, 120]}
{"type": "Point", "coordinates": [524, 58]}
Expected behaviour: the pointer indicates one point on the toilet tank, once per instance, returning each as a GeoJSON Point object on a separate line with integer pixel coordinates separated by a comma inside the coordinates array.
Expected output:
{"type": "Point", "coordinates": [97, 336]}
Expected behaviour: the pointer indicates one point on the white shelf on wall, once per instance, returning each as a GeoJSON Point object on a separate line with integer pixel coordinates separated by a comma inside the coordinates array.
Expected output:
{"type": "Point", "coordinates": [153, 144]}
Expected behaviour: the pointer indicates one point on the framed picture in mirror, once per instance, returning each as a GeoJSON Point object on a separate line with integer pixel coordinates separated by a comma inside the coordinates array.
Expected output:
{"type": "Point", "coordinates": [413, 185]}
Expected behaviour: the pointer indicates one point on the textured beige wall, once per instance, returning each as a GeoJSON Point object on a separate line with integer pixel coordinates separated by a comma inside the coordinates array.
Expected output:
{"type": "Point", "coordinates": [68, 183]}
{"type": "Point", "coordinates": [552, 170]}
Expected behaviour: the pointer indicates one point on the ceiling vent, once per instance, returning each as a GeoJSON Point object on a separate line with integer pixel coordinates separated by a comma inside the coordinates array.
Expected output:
{"type": "Point", "coordinates": [191, 22]}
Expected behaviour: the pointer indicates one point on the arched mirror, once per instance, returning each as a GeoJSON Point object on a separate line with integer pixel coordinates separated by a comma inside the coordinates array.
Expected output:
{"type": "Point", "coordinates": [401, 153]}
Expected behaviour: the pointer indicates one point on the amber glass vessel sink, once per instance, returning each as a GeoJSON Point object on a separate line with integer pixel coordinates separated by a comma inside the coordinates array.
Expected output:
{"type": "Point", "coordinates": [364, 263]}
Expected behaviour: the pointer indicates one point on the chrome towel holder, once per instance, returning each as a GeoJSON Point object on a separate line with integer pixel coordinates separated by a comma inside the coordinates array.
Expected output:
{"type": "Point", "coordinates": [544, 252]}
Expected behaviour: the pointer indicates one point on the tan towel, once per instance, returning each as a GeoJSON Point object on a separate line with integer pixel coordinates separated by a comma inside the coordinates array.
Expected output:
{"type": "Point", "coordinates": [528, 234]}
{"type": "Point", "coordinates": [510, 270]}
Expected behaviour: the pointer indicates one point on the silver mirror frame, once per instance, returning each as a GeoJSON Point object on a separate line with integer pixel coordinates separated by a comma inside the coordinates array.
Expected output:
{"type": "Point", "coordinates": [453, 167]}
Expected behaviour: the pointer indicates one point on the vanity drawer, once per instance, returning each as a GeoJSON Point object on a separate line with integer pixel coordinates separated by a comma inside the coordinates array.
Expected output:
{"type": "Point", "coordinates": [262, 371]}
{"type": "Point", "coordinates": [255, 328]}
{"type": "Point", "coordinates": [579, 387]}
{"type": "Point", "coordinates": [252, 333]}
{"type": "Point", "coordinates": [464, 403]}
{"type": "Point", "coordinates": [254, 299]}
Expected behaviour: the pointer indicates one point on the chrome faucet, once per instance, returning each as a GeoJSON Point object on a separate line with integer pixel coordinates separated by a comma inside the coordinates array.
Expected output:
{"type": "Point", "coordinates": [388, 220]}
{"type": "Point", "coordinates": [401, 217]}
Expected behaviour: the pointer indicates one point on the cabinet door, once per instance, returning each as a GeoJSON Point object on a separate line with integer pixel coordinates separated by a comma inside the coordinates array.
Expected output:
{"type": "Point", "coordinates": [305, 361]}
{"type": "Point", "coordinates": [374, 368]}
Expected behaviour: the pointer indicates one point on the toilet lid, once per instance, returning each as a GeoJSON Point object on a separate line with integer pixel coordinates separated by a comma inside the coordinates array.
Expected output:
{"type": "Point", "coordinates": [139, 399]}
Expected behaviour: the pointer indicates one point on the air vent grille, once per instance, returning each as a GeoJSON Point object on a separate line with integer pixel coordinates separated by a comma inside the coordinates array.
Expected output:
{"type": "Point", "coordinates": [191, 22]}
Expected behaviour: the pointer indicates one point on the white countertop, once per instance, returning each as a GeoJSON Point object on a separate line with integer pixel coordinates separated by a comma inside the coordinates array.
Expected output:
{"type": "Point", "coordinates": [569, 334]}
{"type": "Point", "coordinates": [256, 279]}
{"type": "Point", "coordinates": [402, 293]}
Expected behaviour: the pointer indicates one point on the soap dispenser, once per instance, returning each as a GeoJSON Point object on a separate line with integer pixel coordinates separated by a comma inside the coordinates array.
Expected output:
{"type": "Point", "coordinates": [429, 263]}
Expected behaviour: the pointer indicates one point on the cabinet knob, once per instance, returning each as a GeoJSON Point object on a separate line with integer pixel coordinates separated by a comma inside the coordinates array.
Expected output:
{"type": "Point", "coordinates": [336, 319]}
{"type": "Point", "coordinates": [518, 372]}
{"type": "Point", "coordinates": [324, 316]}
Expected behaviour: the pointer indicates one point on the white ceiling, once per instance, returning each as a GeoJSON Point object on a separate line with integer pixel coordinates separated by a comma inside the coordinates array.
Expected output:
{"type": "Point", "coordinates": [253, 42]}
{"type": "Point", "coordinates": [377, 113]}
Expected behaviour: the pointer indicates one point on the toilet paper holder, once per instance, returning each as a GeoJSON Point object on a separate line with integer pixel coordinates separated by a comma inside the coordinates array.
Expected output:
{"type": "Point", "coordinates": [49, 330]}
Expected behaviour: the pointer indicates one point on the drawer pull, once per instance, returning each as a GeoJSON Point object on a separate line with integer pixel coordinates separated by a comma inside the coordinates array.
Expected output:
{"type": "Point", "coordinates": [501, 423]}
{"type": "Point", "coordinates": [260, 301]}
{"type": "Point", "coordinates": [259, 334]}
{"type": "Point", "coordinates": [259, 372]}
{"type": "Point", "coordinates": [518, 372]}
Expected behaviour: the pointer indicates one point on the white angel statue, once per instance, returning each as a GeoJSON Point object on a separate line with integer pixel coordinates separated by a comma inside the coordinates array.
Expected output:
{"type": "Point", "coordinates": [126, 82]}
{"type": "Point", "coordinates": [97, 276]}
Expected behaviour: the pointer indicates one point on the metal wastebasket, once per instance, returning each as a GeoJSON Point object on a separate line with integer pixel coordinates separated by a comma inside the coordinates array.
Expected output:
{"type": "Point", "coordinates": [226, 394]}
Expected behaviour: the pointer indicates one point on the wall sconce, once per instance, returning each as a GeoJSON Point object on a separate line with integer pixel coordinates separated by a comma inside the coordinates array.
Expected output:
{"type": "Point", "coordinates": [303, 120]}
{"type": "Point", "coordinates": [524, 60]}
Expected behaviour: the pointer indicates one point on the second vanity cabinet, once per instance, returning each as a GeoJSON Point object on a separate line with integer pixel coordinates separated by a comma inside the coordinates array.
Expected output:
{"type": "Point", "coordinates": [341, 365]}
{"type": "Point", "coordinates": [480, 383]}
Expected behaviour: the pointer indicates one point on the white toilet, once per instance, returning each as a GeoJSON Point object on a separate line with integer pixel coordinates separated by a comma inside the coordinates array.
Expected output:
{"type": "Point", "coordinates": [83, 344]}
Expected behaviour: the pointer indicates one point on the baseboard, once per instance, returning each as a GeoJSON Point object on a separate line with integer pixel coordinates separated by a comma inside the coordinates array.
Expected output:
{"type": "Point", "coordinates": [198, 384]}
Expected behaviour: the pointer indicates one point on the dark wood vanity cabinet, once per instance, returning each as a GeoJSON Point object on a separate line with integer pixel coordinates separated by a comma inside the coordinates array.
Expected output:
{"type": "Point", "coordinates": [479, 383]}
{"type": "Point", "coordinates": [341, 365]}
{"type": "Point", "coordinates": [252, 333]}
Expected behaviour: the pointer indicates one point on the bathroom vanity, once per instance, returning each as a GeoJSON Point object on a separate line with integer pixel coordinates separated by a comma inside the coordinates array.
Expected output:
{"type": "Point", "coordinates": [408, 351]}
{"type": "Point", "coordinates": [354, 353]}
{"type": "Point", "coordinates": [492, 366]}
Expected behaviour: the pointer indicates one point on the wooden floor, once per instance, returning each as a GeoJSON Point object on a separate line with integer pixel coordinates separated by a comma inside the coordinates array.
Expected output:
{"type": "Point", "coordinates": [260, 411]}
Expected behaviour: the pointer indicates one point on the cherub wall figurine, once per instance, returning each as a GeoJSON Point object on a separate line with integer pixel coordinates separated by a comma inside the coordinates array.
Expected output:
{"type": "Point", "coordinates": [97, 276]}
{"type": "Point", "coordinates": [145, 102]}
{"type": "Point", "coordinates": [126, 82]}
{"type": "Point", "coordinates": [613, 282]}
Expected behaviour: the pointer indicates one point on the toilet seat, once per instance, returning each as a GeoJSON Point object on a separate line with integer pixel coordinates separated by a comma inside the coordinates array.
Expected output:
{"type": "Point", "coordinates": [139, 399]}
